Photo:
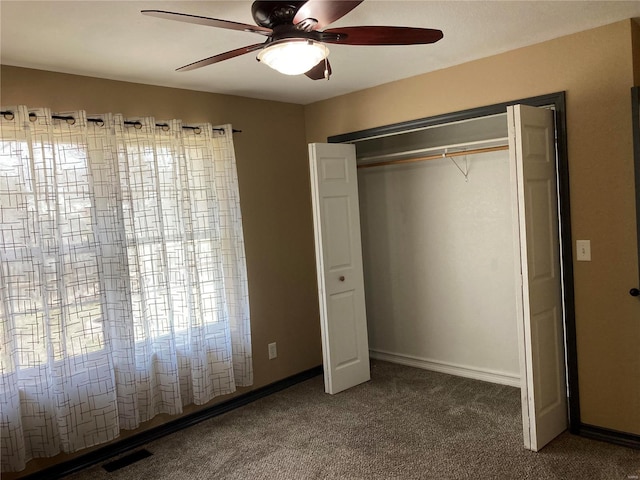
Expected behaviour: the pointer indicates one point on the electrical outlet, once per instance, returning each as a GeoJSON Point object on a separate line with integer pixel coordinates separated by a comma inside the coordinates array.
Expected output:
{"type": "Point", "coordinates": [273, 351]}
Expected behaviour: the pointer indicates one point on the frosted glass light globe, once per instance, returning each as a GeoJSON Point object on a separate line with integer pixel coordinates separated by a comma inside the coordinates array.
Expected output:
{"type": "Point", "coordinates": [293, 57]}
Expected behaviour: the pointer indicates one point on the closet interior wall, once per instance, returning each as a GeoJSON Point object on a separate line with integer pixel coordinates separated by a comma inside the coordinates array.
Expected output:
{"type": "Point", "coordinates": [438, 249]}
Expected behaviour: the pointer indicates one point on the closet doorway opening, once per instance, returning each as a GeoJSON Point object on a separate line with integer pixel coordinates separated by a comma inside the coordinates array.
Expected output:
{"type": "Point", "coordinates": [438, 243]}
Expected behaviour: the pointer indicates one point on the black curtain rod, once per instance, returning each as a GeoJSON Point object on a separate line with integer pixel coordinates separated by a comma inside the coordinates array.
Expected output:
{"type": "Point", "coordinates": [9, 116]}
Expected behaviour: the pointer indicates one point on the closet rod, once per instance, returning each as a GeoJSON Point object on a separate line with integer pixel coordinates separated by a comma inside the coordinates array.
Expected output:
{"type": "Point", "coordinates": [435, 157]}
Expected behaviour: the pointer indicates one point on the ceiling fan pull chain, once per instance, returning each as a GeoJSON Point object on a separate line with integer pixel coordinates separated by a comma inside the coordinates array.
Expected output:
{"type": "Point", "coordinates": [326, 69]}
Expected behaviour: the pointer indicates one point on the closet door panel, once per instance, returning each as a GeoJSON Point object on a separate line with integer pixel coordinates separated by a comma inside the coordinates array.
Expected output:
{"type": "Point", "coordinates": [544, 398]}
{"type": "Point", "coordinates": [334, 189]}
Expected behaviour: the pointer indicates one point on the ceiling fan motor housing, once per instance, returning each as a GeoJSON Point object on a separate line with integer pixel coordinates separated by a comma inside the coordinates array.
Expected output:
{"type": "Point", "coordinates": [270, 14]}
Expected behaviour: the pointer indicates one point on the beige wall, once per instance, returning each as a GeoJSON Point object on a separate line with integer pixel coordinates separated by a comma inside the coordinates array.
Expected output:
{"type": "Point", "coordinates": [596, 70]}
{"type": "Point", "coordinates": [635, 31]}
{"type": "Point", "coordinates": [274, 194]}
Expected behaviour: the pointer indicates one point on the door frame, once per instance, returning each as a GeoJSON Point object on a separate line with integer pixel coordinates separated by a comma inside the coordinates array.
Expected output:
{"type": "Point", "coordinates": [635, 123]}
{"type": "Point", "coordinates": [558, 102]}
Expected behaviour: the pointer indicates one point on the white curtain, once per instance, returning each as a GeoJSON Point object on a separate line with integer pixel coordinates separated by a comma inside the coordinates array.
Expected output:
{"type": "Point", "coordinates": [123, 287]}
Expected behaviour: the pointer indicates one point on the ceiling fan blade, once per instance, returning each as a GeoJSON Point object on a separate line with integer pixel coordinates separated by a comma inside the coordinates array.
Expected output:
{"type": "Point", "coordinates": [210, 22]}
{"type": "Point", "coordinates": [322, 12]}
{"type": "Point", "coordinates": [317, 72]}
{"type": "Point", "coordinates": [220, 57]}
{"type": "Point", "coordinates": [382, 35]}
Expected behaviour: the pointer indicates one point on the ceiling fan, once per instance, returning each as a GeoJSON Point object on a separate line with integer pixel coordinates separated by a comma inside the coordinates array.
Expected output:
{"type": "Point", "coordinates": [295, 43]}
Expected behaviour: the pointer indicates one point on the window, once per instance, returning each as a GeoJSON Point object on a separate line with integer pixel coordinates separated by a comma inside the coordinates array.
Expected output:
{"type": "Point", "coordinates": [124, 290]}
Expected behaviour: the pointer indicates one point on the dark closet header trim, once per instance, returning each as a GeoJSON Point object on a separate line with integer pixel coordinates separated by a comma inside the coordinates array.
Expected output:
{"type": "Point", "coordinates": [417, 124]}
{"type": "Point", "coordinates": [8, 115]}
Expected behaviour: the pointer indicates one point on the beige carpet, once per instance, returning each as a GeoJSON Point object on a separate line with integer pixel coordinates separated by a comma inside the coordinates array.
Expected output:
{"type": "Point", "coordinates": [405, 423]}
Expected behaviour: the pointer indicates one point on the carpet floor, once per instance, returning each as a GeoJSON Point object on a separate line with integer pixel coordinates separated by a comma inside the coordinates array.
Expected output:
{"type": "Point", "coordinates": [405, 423]}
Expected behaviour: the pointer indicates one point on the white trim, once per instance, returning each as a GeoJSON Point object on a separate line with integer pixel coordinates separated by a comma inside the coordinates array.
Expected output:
{"type": "Point", "coordinates": [450, 368]}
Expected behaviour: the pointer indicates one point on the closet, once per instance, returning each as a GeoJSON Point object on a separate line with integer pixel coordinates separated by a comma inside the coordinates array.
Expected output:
{"type": "Point", "coordinates": [456, 229]}
{"type": "Point", "coordinates": [438, 249]}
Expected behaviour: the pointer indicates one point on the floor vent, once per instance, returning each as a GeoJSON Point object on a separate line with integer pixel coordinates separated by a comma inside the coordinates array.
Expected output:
{"type": "Point", "coordinates": [126, 460]}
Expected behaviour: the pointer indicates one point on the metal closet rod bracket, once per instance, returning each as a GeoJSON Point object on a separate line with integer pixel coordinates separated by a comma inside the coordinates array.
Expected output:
{"type": "Point", "coordinates": [464, 172]}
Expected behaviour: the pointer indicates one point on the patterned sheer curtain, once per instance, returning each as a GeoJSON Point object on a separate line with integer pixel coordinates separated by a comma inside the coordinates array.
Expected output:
{"type": "Point", "coordinates": [123, 287]}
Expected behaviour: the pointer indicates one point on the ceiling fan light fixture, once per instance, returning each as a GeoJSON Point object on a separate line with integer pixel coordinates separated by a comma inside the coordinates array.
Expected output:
{"type": "Point", "coordinates": [293, 57]}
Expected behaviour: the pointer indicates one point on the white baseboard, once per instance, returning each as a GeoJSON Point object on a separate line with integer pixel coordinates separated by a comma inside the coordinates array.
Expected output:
{"type": "Point", "coordinates": [451, 369]}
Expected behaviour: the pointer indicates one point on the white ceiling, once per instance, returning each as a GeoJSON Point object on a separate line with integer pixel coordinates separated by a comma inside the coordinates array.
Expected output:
{"type": "Point", "coordinates": [111, 39]}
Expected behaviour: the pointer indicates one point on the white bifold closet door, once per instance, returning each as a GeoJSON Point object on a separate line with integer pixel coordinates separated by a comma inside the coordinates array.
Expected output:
{"type": "Point", "coordinates": [336, 217]}
{"type": "Point", "coordinates": [540, 309]}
